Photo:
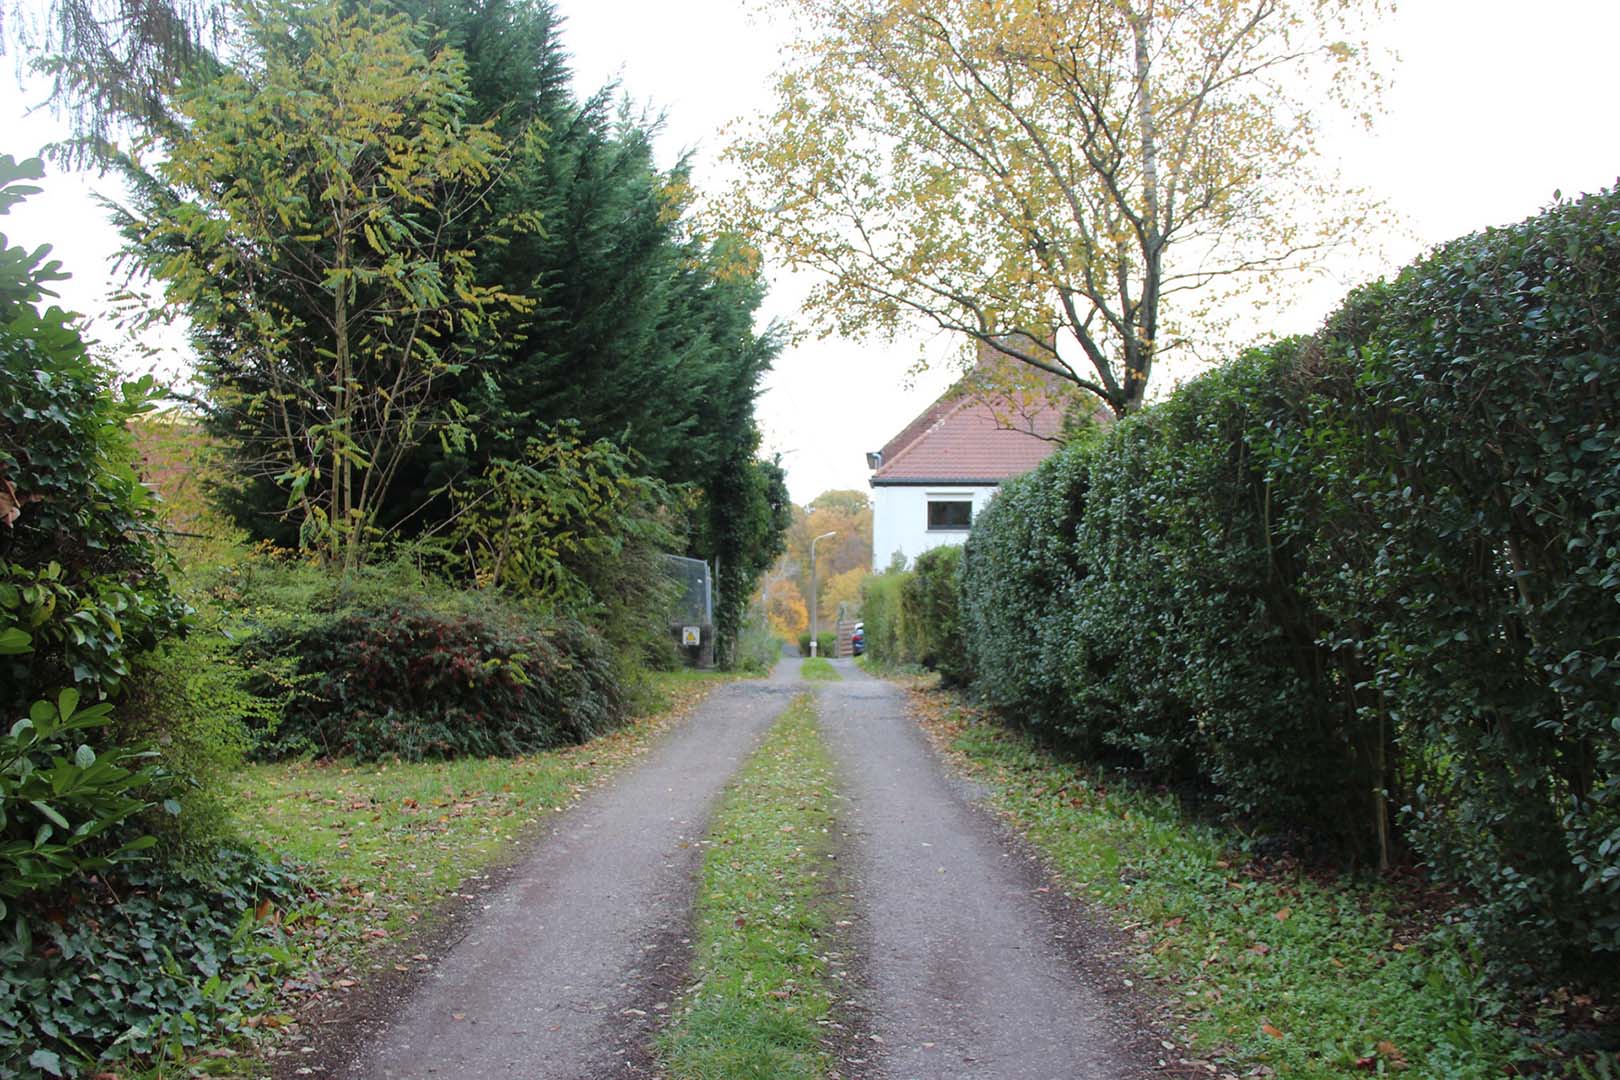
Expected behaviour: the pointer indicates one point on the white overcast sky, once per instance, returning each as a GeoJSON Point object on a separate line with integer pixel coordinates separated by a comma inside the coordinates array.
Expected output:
{"type": "Point", "coordinates": [1494, 105]}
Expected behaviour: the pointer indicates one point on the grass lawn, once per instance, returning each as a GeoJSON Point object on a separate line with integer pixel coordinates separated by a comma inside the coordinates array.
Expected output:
{"type": "Point", "coordinates": [1265, 966]}
{"type": "Point", "coordinates": [818, 668]}
{"type": "Point", "coordinates": [391, 840]}
{"type": "Point", "coordinates": [764, 910]}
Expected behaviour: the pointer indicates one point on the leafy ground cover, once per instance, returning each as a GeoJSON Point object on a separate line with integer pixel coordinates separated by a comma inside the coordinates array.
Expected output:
{"type": "Point", "coordinates": [818, 668]}
{"type": "Point", "coordinates": [1269, 969]}
{"type": "Point", "coordinates": [762, 972]}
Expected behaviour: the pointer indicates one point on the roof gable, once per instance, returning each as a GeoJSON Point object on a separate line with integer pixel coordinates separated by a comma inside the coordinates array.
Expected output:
{"type": "Point", "coordinates": [964, 441]}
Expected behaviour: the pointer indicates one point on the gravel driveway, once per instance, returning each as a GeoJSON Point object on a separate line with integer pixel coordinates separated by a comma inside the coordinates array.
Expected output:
{"type": "Point", "coordinates": [558, 978]}
{"type": "Point", "coordinates": [972, 968]}
{"type": "Point", "coordinates": [968, 953]}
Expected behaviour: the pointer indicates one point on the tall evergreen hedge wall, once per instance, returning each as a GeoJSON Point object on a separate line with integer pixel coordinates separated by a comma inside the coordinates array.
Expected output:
{"type": "Point", "coordinates": [1363, 586]}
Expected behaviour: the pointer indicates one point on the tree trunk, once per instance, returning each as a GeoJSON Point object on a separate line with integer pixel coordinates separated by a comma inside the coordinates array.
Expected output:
{"type": "Point", "coordinates": [342, 497]}
{"type": "Point", "coordinates": [1142, 331]}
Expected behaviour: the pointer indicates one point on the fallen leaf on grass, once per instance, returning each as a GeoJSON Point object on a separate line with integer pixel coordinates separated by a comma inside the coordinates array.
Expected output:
{"type": "Point", "coordinates": [1392, 1054]}
{"type": "Point", "coordinates": [1284, 914]}
{"type": "Point", "coordinates": [1269, 1030]}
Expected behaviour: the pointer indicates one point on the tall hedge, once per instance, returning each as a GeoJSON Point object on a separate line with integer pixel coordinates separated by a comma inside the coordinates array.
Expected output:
{"type": "Point", "coordinates": [1363, 587]}
{"type": "Point", "coordinates": [912, 616]}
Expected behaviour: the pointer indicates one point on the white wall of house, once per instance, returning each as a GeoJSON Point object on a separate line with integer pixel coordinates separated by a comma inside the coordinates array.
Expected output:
{"type": "Point", "coordinates": [900, 519]}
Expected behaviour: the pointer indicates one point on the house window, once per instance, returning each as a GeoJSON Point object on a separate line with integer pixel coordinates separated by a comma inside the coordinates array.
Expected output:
{"type": "Point", "coordinates": [949, 515]}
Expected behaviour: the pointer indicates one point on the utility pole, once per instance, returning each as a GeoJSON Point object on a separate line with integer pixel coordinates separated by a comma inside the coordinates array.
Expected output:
{"type": "Point", "coordinates": [815, 606]}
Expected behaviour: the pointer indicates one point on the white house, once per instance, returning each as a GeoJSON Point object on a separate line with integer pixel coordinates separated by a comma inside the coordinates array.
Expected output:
{"type": "Point", "coordinates": [929, 481]}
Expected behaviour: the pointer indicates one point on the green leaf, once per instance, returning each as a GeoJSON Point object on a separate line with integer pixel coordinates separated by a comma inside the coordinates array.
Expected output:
{"type": "Point", "coordinates": [45, 1059]}
{"type": "Point", "coordinates": [67, 702]}
{"type": "Point", "coordinates": [84, 757]}
{"type": "Point", "coordinates": [14, 641]}
{"type": "Point", "coordinates": [45, 808]}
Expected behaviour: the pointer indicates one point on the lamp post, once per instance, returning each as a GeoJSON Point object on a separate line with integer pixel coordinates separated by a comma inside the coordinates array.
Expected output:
{"type": "Point", "coordinates": [814, 606]}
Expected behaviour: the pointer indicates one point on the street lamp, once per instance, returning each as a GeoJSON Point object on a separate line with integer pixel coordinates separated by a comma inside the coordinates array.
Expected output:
{"type": "Point", "coordinates": [814, 606]}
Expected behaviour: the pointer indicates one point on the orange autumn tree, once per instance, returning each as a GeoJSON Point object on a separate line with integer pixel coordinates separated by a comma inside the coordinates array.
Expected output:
{"type": "Point", "coordinates": [785, 610]}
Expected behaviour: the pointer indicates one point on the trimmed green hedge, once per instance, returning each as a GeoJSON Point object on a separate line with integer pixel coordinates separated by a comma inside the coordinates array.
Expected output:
{"type": "Point", "coordinates": [912, 617]}
{"type": "Point", "coordinates": [1363, 587]}
{"type": "Point", "coordinates": [883, 617]}
{"type": "Point", "coordinates": [928, 596]}
{"type": "Point", "coordinates": [826, 643]}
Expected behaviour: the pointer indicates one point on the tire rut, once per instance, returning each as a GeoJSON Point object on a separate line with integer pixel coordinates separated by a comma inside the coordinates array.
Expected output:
{"type": "Point", "coordinates": [972, 972]}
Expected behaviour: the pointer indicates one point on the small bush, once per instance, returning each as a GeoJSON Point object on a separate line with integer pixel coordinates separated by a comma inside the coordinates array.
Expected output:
{"type": "Point", "coordinates": [912, 616]}
{"type": "Point", "coordinates": [758, 649]}
{"type": "Point", "coordinates": [190, 700]}
{"type": "Point", "coordinates": [826, 643]}
{"type": "Point", "coordinates": [412, 683]}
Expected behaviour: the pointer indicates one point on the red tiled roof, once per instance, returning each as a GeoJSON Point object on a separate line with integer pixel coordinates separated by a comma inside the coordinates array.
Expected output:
{"type": "Point", "coordinates": [962, 441]}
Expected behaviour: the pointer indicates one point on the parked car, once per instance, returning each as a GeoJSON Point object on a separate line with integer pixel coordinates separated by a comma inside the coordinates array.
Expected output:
{"type": "Point", "coordinates": [857, 639]}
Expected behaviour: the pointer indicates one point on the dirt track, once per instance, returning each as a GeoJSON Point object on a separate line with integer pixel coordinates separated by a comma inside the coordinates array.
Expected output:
{"type": "Point", "coordinates": [975, 965]}
{"type": "Point", "coordinates": [971, 969]}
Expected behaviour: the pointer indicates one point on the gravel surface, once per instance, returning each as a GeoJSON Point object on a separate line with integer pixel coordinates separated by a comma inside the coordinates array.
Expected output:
{"type": "Point", "coordinates": [966, 962]}
{"type": "Point", "coordinates": [563, 973]}
{"type": "Point", "coordinates": [976, 968]}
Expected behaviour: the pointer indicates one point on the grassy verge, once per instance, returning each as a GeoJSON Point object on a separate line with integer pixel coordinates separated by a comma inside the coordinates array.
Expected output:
{"type": "Point", "coordinates": [762, 983]}
{"type": "Point", "coordinates": [818, 668]}
{"type": "Point", "coordinates": [393, 840]}
{"type": "Point", "coordinates": [912, 675]}
{"type": "Point", "coordinates": [1264, 966]}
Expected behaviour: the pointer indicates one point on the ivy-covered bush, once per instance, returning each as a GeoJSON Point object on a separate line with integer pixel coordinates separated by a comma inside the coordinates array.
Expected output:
{"type": "Point", "coordinates": [1363, 587]}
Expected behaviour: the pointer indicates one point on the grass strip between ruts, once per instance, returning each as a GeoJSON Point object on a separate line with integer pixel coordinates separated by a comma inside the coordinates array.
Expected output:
{"type": "Point", "coordinates": [817, 668]}
{"type": "Point", "coordinates": [761, 991]}
{"type": "Point", "coordinates": [1267, 972]}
